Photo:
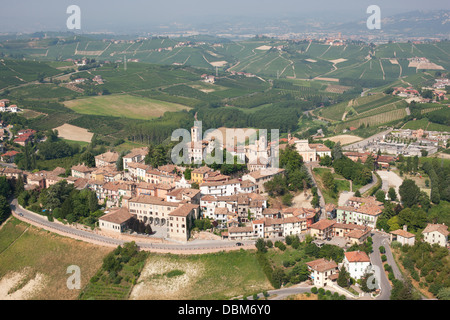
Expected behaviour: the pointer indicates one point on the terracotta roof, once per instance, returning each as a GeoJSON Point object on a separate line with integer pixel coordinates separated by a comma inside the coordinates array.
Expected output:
{"type": "Point", "coordinates": [118, 216]}
{"type": "Point", "coordinates": [322, 265]}
{"type": "Point", "coordinates": [403, 233]}
{"type": "Point", "coordinates": [202, 170]}
{"type": "Point", "coordinates": [221, 210]}
{"type": "Point", "coordinates": [239, 229]}
{"type": "Point", "coordinates": [219, 183]}
{"type": "Point", "coordinates": [357, 256]}
{"type": "Point", "coordinates": [82, 168]}
{"type": "Point", "coordinates": [357, 234]}
{"type": "Point", "coordinates": [441, 228]}
{"type": "Point", "coordinates": [183, 210]}
{"type": "Point", "coordinates": [322, 224]}
{"type": "Point", "coordinates": [109, 156]}
{"type": "Point", "coordinates": [152, 200]}
{"type": "Point", "coordinates": [137, 152]}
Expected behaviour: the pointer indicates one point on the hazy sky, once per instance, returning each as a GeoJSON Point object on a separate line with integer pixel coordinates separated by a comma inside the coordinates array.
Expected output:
{"type": "Point", "coordinates": [101, 15]}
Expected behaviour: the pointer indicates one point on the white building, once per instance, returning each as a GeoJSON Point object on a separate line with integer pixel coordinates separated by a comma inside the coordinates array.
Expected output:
{"type": "Point", "coordinates": [436, 233]}
{"type": "Point", "coordinates": [403, 236]}
{"type": "Point", "coordinates": [221, 188]}
{"type": "Point", "coordinates": [322, 272]}
{"type": "Point", "coordinates": [357, 263]}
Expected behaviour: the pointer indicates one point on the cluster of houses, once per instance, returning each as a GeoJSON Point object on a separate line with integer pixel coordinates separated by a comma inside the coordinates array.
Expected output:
{"type": "Point", "coordinates": [6, 107]}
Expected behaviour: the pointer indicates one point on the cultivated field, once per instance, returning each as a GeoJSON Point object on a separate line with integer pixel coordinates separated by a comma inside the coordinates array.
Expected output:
{"type": "Point", "coordinates": [74, 133]}
{"type": "Point", "coordinates": [345, 139]}
{"type": "Point", "coordinates": [127, 106]}
{"type": "Point", "coordinates": [33, 262]}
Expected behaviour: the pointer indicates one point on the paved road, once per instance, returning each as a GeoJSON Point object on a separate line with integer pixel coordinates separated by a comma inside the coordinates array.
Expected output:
{"type": "Point", "coordinates": [370, 185]}
{"type": "Point", "coordinates": [195, 246]}
{"type": "Point", "coordinates": [382, 239]}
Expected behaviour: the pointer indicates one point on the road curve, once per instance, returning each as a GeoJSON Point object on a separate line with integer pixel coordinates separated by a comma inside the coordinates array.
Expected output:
{"type": "Point", "coordinates": [191, 247]}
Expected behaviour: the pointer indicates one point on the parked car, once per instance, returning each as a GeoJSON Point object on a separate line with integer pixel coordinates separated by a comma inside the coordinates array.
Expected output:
{"type": "Point", "coordinates": [239, 244]}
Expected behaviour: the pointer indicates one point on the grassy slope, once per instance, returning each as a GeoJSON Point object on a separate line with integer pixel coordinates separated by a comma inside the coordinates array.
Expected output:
{"type": "Point", "coordinates": [49, 254]}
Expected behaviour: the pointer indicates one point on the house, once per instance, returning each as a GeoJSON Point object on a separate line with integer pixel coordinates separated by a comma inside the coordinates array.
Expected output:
{"type": "Point", "coordinates": [322, 271]}
{"type": "Point", "coordinates": [221, 188]}
{"type": "Point", "coordinates": [259, 178]}
{"type": "Point", "coordinates": [181, 221]}
{"type": "Point", "coordinates": [9, 156]}
{"type": "Point", "coordinates": [384, 161]}
{"type": "Point", "coordinates": [82, 171]}
{"type": "Point", "coordinates": [403, 236]}
{"type": "Point", "coordinates": [136, 155]}
{"type": "Point", "coordinates": [360, 211]}
{"type": "Point", "coordinates": [115, 221]}
{"type": "Point", "coordinates": [357, 263]}
{"type": "Point", "coordinates": [106, 159]}
{"type": "Point", "coordinates": [23, 139]}
{"type": "Point", "coordinates": [199, 174]}
{"type": "Point", "coordinates": [185, 194]}
{"type": "Point", "coordinates": [322, 229]}
{"type": "Point", "coordinates": [436, 233]}
{"type": "Point", "coordinates": [310, 152]}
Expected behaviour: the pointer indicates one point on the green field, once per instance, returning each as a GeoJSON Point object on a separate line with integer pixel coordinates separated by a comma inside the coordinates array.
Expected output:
{"type": "Point", "coordinates": [127, 106]}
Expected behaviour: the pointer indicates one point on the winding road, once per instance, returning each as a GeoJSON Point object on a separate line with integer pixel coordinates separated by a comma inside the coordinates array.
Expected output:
{"type": "Point", "coordinates": [191, 247]}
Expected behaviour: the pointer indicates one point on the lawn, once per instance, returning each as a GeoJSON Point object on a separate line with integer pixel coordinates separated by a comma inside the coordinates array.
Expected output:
{"type": "Point", "coordinates": [127, 106]}
{"type": "Point", "coordinates": [30, 251]}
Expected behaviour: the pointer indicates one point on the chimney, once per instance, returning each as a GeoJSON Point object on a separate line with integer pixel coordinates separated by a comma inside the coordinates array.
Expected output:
{"type": "Point", "coordinates": [405, 228]}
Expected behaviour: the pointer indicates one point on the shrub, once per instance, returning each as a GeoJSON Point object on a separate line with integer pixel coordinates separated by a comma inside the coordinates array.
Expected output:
{"type": "Point", "coordinates": [383, 258]}
{"type": "Point", "coordinates": [391, 276]}
{"type": "Point", "coordinates": [382, 249]}
{"type": "Point", "coordinates": [280, 245]}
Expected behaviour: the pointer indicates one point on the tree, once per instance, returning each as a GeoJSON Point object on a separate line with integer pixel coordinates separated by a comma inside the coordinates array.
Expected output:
{"type": "Point", "coordinates": [392, 194]}
{"type": "Point", "coordinates": [88, 159]}
{"type": "Point", "coordinates": [336, 152]}
{"type": "Point", "coordinates": [261, 245]}
{"type": "Point", "coordinates": [409, 193]}
{"type": "Point", "coordinates": [5, 209]}
{"type": "Point", "coordinates": [380, 195]}
{"type": "Point", "coordinates": [343, 277]}
{"type": "Point", "coordinates": [357, 194]}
